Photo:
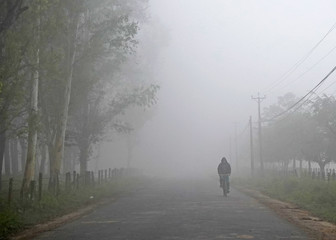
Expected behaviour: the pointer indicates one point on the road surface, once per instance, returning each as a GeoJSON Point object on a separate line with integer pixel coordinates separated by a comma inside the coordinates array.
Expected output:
{"type": "Point", "coordinates": [176, 210]}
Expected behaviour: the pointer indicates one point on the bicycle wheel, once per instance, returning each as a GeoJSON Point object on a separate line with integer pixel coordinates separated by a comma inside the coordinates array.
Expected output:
{"type": "Point", "coordinates": [224, 187]}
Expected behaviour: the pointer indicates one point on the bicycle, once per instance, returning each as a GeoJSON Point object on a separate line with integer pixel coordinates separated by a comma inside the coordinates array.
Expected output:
{"type": "Point", "coordinates": [224, 179]}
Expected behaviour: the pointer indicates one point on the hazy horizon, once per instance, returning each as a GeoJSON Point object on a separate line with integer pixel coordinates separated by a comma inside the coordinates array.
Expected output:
{"type": "Point", "coordinates": [217, 55]}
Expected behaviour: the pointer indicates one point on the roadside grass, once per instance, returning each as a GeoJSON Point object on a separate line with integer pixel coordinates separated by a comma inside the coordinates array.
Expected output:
{"type": "Point", "coordinates": [24, 214]}
{"type": "Point", "coordinates": [316, 196]}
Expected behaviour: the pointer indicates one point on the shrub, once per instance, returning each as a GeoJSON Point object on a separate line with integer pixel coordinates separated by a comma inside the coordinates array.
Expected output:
{"type": "Point", "coordinates": [9, 223]}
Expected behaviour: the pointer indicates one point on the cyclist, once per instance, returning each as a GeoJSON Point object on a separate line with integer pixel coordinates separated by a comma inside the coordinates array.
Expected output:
{"type": "Point", "coordinates": [224, 170]}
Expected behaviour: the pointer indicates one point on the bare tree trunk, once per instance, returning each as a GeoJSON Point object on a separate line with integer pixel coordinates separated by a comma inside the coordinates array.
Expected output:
{"type": "Point", "coordinates": [68, 163]}
{"type": "Point", "coordinates": [84, 141]}
{"type": "Point", "coordinates": [285, 165]}
{"type": "Point", "coordinates": [23, 156]}
{"type": "Point", "coordinates": [294, 163]}
{"type": "Point", "coordinates": [309, 166]}
{"type": "Point", "coordinates": [53, 175]}
{"type": "Point", "coordinates": [29, 172]}
{"type": "Point", "coordinates": [322, 169]}
{"type": "Point", "coordinates": [15, 156]}
{"type": "Point", "coordinates": [58, 148]}
{"type": "Point", "coordinates": [37, 162]}
{"type": "Point", "coordinates": [2, 151]}
{"type": "Point", "coordinates": [7, 159]}
{"type": "Point", "coordinates": [43, 158]}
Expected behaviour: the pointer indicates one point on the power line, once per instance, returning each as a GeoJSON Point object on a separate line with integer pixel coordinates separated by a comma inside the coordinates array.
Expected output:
{"type": "Point", "coordinates": [309, 69]}
{"type": "Point", "coordinates": [297, 108]}
{"type": "Point", "coordinates": [329, 86]}
{"type": "Point", "coordinates": [299, 63]}
{"type": "Point", "coordinates": [312, 91]}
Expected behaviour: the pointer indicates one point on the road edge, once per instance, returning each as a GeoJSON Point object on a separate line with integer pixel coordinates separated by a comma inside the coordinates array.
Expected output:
{"type": "Point", "coordinates": [314, 226]}
{"type": "Point", "coordinates": [59, 221]}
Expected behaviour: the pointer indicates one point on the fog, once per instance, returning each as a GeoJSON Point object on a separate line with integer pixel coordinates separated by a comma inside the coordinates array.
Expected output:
{"type": "Point", "coordinates": [214, 56]}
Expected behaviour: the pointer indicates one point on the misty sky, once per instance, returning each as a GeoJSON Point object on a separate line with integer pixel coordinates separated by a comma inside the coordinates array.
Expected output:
{"type": "Point", "coordinates": [219, 53]}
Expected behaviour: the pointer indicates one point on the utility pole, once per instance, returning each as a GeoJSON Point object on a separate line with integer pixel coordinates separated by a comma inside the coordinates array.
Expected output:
{"type": "Point", "coordinates": [230, 148]}
{"type": "Point", "coordinates": [251, 147]}
{"type": "Point", "coordinates": [259, 99]}
{"type": "Point", "coordinates": [236, 147]}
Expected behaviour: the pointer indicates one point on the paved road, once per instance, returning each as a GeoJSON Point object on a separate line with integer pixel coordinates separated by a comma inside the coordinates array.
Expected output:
{"type": "Point", "coordinates": [177, 210]}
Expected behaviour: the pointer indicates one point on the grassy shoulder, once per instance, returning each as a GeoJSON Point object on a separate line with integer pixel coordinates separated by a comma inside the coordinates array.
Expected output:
{"type": "Point", "coordinates": [316, 196]}
{"type": "Point", "coordinates": [22, 215]}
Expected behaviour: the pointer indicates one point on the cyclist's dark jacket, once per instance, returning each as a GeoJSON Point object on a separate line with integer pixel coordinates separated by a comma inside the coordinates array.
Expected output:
{"type": "Point", "coordinates": [224, 168]}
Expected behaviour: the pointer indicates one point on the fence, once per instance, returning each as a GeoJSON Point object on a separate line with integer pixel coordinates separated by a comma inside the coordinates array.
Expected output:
{"type": "Point", "coordinates": [71, 181]}
{"type": "Point", "coordinates": [328, 174]}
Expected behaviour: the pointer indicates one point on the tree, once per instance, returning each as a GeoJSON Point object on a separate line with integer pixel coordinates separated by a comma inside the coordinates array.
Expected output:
{"type": "Point", "coordinates": [136, 117]}
{"type": "Point", "coordinates": [14, 66]}
{"type": "Point", "coordinates": [324, 114]}
{"type": "Point", "coordinates": [283, 136]}
{"type": "Point", "coordinates": [9, 13]}
{"type": "Point", "coordinates": [29, 172]}
{"type": "Point", "coordinates": [99, 78]}
{"type": "Point", "coordinates": [65, 57]}
{"type": "Point", "coordinates": [324, 111]}
{"type": "Point", "coordinates": [307, 133]}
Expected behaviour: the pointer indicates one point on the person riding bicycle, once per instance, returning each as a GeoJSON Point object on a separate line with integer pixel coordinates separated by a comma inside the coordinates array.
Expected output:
{"type": "Point", "coordinates": [224, 170]}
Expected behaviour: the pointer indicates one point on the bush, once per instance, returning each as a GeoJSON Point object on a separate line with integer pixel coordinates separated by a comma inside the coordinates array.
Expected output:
{"type": "Point", "coordinates": [9, 223]}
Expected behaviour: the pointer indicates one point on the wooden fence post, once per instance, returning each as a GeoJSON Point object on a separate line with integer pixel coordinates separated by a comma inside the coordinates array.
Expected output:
{"type": "Point", "coordinates": [77, 181]}
{"type": "Point", "coordinates": [87, 178]}
{"type": "Point", "coordinates": [57, 185]}
{"type": "Point", "coordinates": [32, 190]}
{"type": "Point", "coordinates": [10, 191]}
{"type": "Point", "coordinates": [40, 187]}
{"type": "Point", "coordinates": [74, 179]}
{"type": "Point", "coordinates": [68, 181]}
{"type": "Point", "coordinates": [92, 178]}
{"type": "Point", "coordinates": [21, 191]}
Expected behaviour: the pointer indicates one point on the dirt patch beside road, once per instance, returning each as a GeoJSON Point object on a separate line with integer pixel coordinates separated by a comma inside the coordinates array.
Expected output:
{"type": "Point", "coordinates": [320, 229]}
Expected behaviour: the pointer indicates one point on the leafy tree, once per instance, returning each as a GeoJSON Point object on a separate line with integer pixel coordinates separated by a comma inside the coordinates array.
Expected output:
{"type": "Point", "coordinates": [73, 53]}
{"type": "Point", "coordinates": [282, 137]}
{"type": "Point", "coordinates": [307, 133]}
{"type": "Point", "coordinates": [100, 78]}
{"type": "Point", "coordinates": [324, 111]}
{"type": "Point", "coordinates": [16, 43]}
{"type": "Point", "coordinates": [324, 114]}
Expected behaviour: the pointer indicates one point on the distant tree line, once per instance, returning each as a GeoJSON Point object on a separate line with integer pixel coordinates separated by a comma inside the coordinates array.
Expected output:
{"type": "Point", "coordinates": [65, 76]}
{"type": "Point", "coordinates": [306, 134]}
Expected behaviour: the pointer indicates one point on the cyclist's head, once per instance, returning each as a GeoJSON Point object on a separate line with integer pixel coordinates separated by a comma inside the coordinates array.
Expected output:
{"type": "Point", "coordinates": [224, 160]}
